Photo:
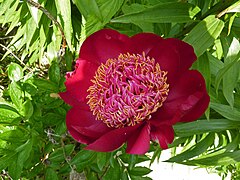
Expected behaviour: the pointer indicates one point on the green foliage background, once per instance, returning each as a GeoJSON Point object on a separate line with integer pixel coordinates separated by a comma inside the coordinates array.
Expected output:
{"type": "Point", "coordinates": [34, 143]}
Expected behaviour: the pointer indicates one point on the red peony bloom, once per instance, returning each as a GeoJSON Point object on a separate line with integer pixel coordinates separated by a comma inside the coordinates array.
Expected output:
{"type": "Point", "coordinates": [133, 90]}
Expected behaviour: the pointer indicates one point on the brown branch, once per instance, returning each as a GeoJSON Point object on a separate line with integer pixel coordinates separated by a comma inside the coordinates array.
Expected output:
{"type": "Point", "coordinates": [48, 14]}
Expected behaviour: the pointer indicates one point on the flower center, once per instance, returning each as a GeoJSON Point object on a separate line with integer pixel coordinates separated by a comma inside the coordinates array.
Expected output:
{"type": "Point", "coordinates": [127, 90]}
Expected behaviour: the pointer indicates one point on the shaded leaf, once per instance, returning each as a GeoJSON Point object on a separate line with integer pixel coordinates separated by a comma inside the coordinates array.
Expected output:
{"type": "Point", "coordinates": [162, 13]}
{"type": "Point", "coordinates": [226, 111]}
{"type": "Point", "coordinates": [54, 73]}
{"type": "Point", "coordinates": [59, 155]}
{"type": "Point", "coordinates": [15, 93]}
{"type": "Point", "coordinates": [204, 126]}
{"type": "Point", "coordinates": [140, 171]}
{"type": "Point", "coordinates": [51, 174]}
{"type": "Point", "coordinates": [44, 84]}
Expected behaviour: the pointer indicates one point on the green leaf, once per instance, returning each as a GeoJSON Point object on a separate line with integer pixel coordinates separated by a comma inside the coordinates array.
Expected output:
{"type": "Point", "coordinates": [14, 136]}
{"type": "Point", "coordinates": [83, 158]}
{"type": "Point", "coordinates": [26, 109]}
{"type": "Point", "coordinates": [51, 174]}
{"type": "Point", "coordinates": [140, 171]}
{"type": "Point", "coordinates": [139, 178]}
{"type": "Point", "coordinates": [162, 13]}
{"type": "Point", "coordinates": [8, 113]}
{"type": "Point", "coordinates": [36, 14]}
{"type": "Point", "coordinates": [64, 10]}
{"type": "Point", "coordinates": [54, 73]}
{"type": "Point", "coordinates": [7, 159]}
{"type": "Point", "coordinates": [23, 152]}
{"type": "Point", "coordinates": [45, 85]}
{"type": "Point", "coordinates": [224, 158]}
{"type": "Point", "coordinates": [230, 78]}
{"type": "Point", "coordinates": [226, 111]}
{"type": "Point", "coordinates": [10, 11]}
{"type": "Point", "coordinates": [60, 154]}
{"type": "Point", "coordinates": [5, 6]}
{"type": "Point", "coordinates": [215, 64]}
{"type": "Point", "coordinates": [231, 9]}
{"type": "Point", "coordinates": [99, 15]}
{"type": "Point", "coordinates": [101, 160]}
{"type": "Point", "coordinates": [15, 72]}
{"type": "Point", "coordinates": [132, 160]}
{"type": "Point", "coordinates": [31, 28]}
{"type": "Point", "coordinates": [204, 126]}
{"type": "Point", "coordinates": [15, 93]}
{"type": "Point", "coordinates": [133, 8]}
{"type": "Point", "coordinates": [87, 7]}
{"type": "Point", "coordinates": [108, 8]}
{"type": "Point", "coordinates": [113, 172]}
{"type": "Point", "coordinates": [52, 119]}
{"type": "Point", "coordinates": [233, 145]}
{"type": "Point", "coordinates": [221, 74]}
{"type": "Point", "coordinates": [197, 149]}
{"type": "Point", "coordinates": [202, 36]}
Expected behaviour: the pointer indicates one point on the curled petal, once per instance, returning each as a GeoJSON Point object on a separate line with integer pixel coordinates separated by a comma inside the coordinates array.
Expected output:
{"type": "Point", "coordinates": [78, 81]}
{"type": "Point", "coordinates": [187, 100]}
{"type": "Point", "coordinates": [102, 45]}
{"type": "Point", "coordinates": [164, 135]}
{"type": "Point", "coordinates": [82, 125]}
{"type": "Point", "coordinates": [112, 140]}
{"type": "Point", "coordinates": [139, 141]}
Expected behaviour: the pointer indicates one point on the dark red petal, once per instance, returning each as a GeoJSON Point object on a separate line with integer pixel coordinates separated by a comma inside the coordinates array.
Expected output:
{"type": "Point", "coordinates": [190, 82]}
{"type": "Point", "coordinates": [168, 60]}
{"type": "Point", "coordinates": [185, 52]}
{"type": "Point", "coordinates": [187, 100]}
{"type": "Point", "coordinates": [196, 111]}
{"type": "Point", "coordinates": [78, 81]}
{"type": "Point", "coordinates": [82, 125]}
{"type": "Point", "coordinates": [139, 142]}
{"type": "Point", "coordinates": [69, 99]}
{"type": "Point", "coordinates": [102, 45]}
{"type": "Point", "coordinates": [143, 42]}
{"type": "Point", "coordinates": [164, 135]}
{"type": "Point", "coordinates": [112, 140]}
{"type": "Point", "coordinates": [93, 131]}
{"type": "Point", "coordinates": [174, 56]}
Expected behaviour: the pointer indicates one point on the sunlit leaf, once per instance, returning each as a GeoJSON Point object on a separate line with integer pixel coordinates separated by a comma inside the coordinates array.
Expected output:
{"type": "Point", "coordinates": [230, 78]}
{"type": "Point", "coordinates": [224, 158]}
{"type": "Point", "coordinates": [64, 8]}
{"type": "Point", "coordinates": [15, 72]}
{"type": "Point", "coordinates": [204, 33]}
{"type": "Point", "coordinates": [196, 150]}
{"type": "Point", "coordinates": [8, 113]}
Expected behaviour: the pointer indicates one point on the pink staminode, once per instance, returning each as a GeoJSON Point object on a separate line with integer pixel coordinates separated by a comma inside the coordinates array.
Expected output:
{"type": "Point", "coordinates": [127, 89]}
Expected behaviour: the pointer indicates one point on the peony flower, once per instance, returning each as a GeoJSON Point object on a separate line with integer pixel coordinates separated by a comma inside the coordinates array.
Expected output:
{"type": "Point", "coordinates": [132, 90]}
